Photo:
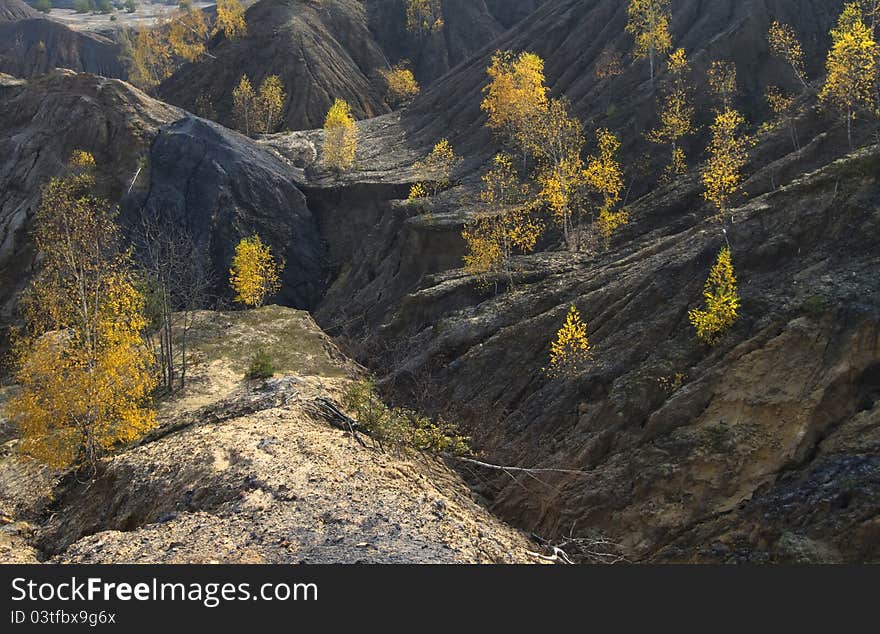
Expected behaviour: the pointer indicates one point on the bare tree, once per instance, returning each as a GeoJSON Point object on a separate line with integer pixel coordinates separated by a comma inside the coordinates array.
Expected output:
{"type": "Point", "coordinates": [179, 283]}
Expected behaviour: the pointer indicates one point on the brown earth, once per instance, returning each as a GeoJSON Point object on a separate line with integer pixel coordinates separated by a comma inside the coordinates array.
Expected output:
{"type": "Point", "coordinates": [251, 472]}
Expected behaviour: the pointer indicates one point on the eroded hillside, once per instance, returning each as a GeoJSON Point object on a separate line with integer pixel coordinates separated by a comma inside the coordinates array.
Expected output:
{"type": "Point", "coordinates": [252, 472]}
{"type": "Point", "coordinates": [762, 448]}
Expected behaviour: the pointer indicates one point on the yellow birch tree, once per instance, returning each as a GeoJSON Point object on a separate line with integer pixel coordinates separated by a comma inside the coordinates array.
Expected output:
{"type": "Point", "coordinates": [244, 106]}
{"type": "Point", "coordinates": [255, 273]}
{"type": "Point", "coordinates": [270, 103]}
{"type": "Point", "coordinates": [852, 68]}
{"type": "Point", "coordinates": [230, 19]}
{"type": "Point", "coordinates": [676, 115]}
{"type": "Point", "coordinates": [728, 154]}
{"type": "Point", "coordinates": [721, 299]}
{"type": "Point", "coordinates": [649, 25]}
{"type": "Point", "coordinates": [784, 43]}
{"type": "Point", "coordinates": [571, 351]}
{"type": "Point", "coordinates": [84, 373]}
{"type": "Point", "coordinates": [340, 137]}
{"type": "Point", "coordinates": [505, 225]}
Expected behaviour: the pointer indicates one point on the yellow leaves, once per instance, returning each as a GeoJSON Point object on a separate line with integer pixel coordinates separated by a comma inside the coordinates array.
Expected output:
{"type": "Point", "coordinates": [721, 298]}
{"type": "Point", "coordinates": [80, 160]}
{"type": "Point", "coordinates": [722, 82]}
{"type": "Point", "coordinates": [676, 114]}
{"type": "Point", "coordinates": [270, 103]}
{"type": "Point", "coordinates": [149, 58]}
{"type": "Point", "coordinates": [852, 66]}
{"type": "Point", "coordinates": [402, 84]}
{"type": "Point", "coordinates": [784, 43]}
{"type": "Point", "coordinates": [258, 112]}
{"type": "Point", "coordinates": [728, 154]}
{"type": "Point", "coordinates": [423, 16]}
{"type": "Point", "coordinates": [187, 33]}
{"type": "Point", "coordinates": [604, 176]}
{"type": "Point", "coordinates": [556, 140]}
{"type": "Point", "coordinates": [780, 103]}
{"type": "Point", "coordinates": [507, 225]}
{"type": "Point", "coordinates": [435, 171]}
{"type": "Point", "coordinates": [230, 19]}
{"type": "Point", "coordinates": [649, 24]}
{"type": "Point", "coordinates": [515, 93]}
{"type": "Point", "coordinates": [570, 352]}
{"type": "Point", "coordinates": [155, 52]}
{"type": "Point", "coordinates": [340, 137]}
{"type": "Point", "coordinates": [244, 105]}
{"type": "Point", "coordinates": [84, 373]}
{"type": "Point", "coordinates": [255, 274]}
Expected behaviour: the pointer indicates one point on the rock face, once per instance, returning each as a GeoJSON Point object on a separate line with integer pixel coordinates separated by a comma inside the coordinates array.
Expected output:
{"type": "Point", "coordinates": [220, 187]}
{"type": "Point", "coordinates": [42, 122]}
{"type": "Point", "coordinates": [34, 46]}
{"type": "Point", "coordinates": [320, 50]}
{"type": "Point", "coordinates": [686, 450]}
{"type": "Point", "coordinates": [251, 473]}
{"type": "Point", "coordinates": [215, 183]}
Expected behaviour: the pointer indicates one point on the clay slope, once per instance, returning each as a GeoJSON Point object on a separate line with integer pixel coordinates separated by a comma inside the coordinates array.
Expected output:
{"type": "Point", "coordinates": [34, 46]}
{"type": "Point", "coordinates": [195, 175]}
{"type": "Point", "coordinates": [469, 26]}
{"type": "Point", "coordinates": [320, 50]}
{"type": "Point", "coordinates": [11, 10]}
{"type": "Point", "coordinates": [571, 36]}
{"type": "Point", "coordinates": [43, 120]}
{"type": "Point", "coordinates": [244, 472]}
{"type": "Point", "coordinates": [687, 449]}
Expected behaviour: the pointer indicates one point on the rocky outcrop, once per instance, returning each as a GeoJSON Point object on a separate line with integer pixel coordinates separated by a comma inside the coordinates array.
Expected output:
{"type": "Point", "coordinates": [42, 122]}
{"type": "Point", "coordinates": [220, 186]}
{"type": "Point", "coordinates": [35, 46]}
{"type": "Point", "coordinates": [214, 183]}
{"type": "Point", "coordinates": [321, 51]}
{"type": "Point", "coordinates": [244, 472]}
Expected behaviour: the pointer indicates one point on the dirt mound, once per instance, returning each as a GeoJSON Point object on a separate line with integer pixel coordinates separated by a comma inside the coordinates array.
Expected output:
{"type": "Point", "coordinates": [243, 472]}
{"type": "Point", "coordinates": [321, 51]}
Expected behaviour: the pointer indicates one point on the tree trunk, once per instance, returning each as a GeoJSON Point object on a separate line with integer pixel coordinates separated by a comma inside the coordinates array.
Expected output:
{"type": "Point", "coordinates": [849, 128]}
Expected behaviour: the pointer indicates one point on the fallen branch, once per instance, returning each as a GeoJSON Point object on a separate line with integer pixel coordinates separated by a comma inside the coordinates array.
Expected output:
{"type": "Point", "coordinates": [527, 470]}
{"type": "Point", "coordinates": [339, 419]}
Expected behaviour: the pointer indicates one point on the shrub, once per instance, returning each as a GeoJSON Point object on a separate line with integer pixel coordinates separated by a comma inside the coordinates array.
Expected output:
{"type": "Point", "coordinates": [261, 366]}
{"type": "Point", "coordinates": [402, 428]}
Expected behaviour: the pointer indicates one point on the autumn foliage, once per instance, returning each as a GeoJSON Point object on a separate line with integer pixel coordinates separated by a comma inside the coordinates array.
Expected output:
{"type": "Point", "coordinates": [84, 373]}
{"type": "Point", "coordinates": [340, 137]}
{"type": "Point", "coordinates": [402, 84]}
{"type": "Point", "coordinates": [230, 19]}
{"type": "Point", "coordinates": [570, 352]}
{"type": "Point", "coordinates": [255, 273]}
{"type": "Point", "coordinates": [721, 299]}
{"type": "Point", "coordinates": [728, 153]}
{"type": "Point", "coordinates": [852, 67]}
{"type": "Point", "coordinates": [515, 95]}
{"type": "Point", "coordinates": [649, 25]}
{"type": "Point", "coordinates": [505, 226]}
{"type": "Point", "coordinates": [676, 115]}
{"type": "Point", "coordinates": [435, 171]}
